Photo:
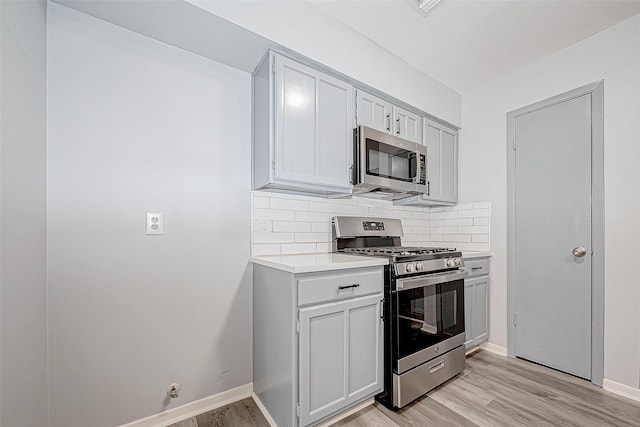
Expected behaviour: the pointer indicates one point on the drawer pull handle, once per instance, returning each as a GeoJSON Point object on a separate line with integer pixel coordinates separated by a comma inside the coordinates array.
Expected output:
{"type": "Point", "coordinates": [436, 367]}
{"type": "Point", "coordinates": [355, 285]}
{"type": "Point", "coordinates": [476, 268]}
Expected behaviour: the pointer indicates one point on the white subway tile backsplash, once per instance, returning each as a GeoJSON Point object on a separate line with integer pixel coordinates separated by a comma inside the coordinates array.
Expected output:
{"type": "Point", "coordinates": [323, 247]}
{"type": "Point", "coordinates": [290, 226]}
{"type": "Point", "coordinates": [274, 214]}
{"type": "Point", "coordinates": [356, 210]}
{"type": "Point", "coordinates": [307, 198]}
{"type": "Point", "coordinates": [312, 216]}
{"type": "Point", "coordinates": [372, 203]}
{"type": "Point", "coordinates": [482, 205]}
{"type": "Point", "coordinates": [421, 215]}
{"type": "Point", "coordinates": [457, 238]}
{"type": "Point", "coordinates": [320, 227]}
{"type": "Point", "coordinates": [472, 247]}
{"type": "Point", "coordinates": [481, 221]}
{"type": "Point", "coordinates": [294, 205]}
{"type": "Point", "coordinates": [444, 215]}
{"type": "Point", "coordinates": [476, 229]}
{"type": "Point", "coordinates": [457, 222]}
{"type": "Point", "coordinates": [261, 202]}
{"type": "Point", "coordinates": [273, 237]}
{"type": "Point", "coordinates": [274, 195]}
{"type": "Point", "coordinates": [473, 213]}
{"type": "Point", "coordinates": [298, 248]}
{"type": "Point", "coordinates": [302, 224]}
{"type": "Point", "coordinates": [380, 212]}
{"type": "Point", "coordinates": [464, 207]}
{"type": "Point", "coordinates": [312, 237]}
{"type": "Point", "coordinates": [444, 230]}
{"type": "Point", "coordinates": [319, 207]}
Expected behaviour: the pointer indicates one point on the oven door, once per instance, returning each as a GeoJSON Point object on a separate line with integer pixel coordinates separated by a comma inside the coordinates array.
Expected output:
{"type": "Point", "coordinates": [429, 317]}
{"type": "Point", "coordinates": [388, 162]}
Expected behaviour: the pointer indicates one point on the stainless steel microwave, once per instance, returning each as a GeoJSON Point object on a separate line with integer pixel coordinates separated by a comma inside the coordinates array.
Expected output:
{"type": "Point", "coordinates": [388, 167]}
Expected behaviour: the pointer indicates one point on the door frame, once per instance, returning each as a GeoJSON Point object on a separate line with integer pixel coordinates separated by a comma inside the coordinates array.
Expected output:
{"type": "Point", "coordinates": [596, 91]}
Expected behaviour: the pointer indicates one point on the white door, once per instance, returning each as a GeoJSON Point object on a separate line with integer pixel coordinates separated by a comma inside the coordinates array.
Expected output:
{"type": "Point", "coordinates": [553, 223]}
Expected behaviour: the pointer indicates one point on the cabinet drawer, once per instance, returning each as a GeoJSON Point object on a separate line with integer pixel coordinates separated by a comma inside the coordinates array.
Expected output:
{"type": "Point", "coordinates": [477, 267]}
{"type": "Point", "coordinates": [329, 287]}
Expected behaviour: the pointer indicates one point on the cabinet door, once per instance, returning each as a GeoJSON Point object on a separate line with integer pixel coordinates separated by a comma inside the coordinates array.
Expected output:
{"type": "Point", "coordinates": [340, 355]}
{"type": "Point", "coordinates": [468, 314]}
{"type": "Point", "coordinates": [476, 310]}
{"type": "Point", "coordinates": [407, 125]}
{"type": "Point", "coordinates": [373, 112]}
{"type": "Point", "coordinates": [481, 309]}
{"type": "Point", "coordinates": [442, 162]}
{"type": "Point", "coordinates": [313, 136]}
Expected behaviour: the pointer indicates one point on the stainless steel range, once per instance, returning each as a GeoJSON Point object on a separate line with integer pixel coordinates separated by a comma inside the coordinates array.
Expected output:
{"type": "Point", "coordinates": [423, 306]}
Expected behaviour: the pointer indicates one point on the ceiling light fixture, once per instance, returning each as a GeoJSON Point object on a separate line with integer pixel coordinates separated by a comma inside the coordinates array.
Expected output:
{"type": "Point", "coordinates": [424, 6]}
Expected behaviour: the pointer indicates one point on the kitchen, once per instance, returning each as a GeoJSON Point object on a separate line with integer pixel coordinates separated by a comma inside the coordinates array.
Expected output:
{"type": "Point", "coordinates": [129, 314]}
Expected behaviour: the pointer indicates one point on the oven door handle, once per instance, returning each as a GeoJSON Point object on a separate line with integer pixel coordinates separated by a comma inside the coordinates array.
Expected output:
{"type": "Point", "coordinates": [434, 279]}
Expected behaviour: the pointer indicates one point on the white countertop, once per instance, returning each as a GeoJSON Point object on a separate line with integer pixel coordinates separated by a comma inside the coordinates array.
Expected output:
{"type": "Point", "coordinates": [308, 263]}
{"type": "Point", "coordinates": [476, 254]}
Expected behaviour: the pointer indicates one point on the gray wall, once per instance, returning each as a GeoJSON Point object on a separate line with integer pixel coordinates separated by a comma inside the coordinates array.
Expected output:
{"type": "Point", "coordinates": [137, 126]}
{"type": "Point", "coordinates": [23, 378]}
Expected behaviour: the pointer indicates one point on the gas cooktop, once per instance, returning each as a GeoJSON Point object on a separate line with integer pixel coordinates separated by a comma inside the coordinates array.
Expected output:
{"type": "Point", "coordinates": [398, 250]}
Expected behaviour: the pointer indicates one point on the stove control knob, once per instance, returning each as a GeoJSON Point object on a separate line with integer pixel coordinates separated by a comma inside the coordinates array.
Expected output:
{"type": "Point", "coordinates": [418, 266]}
{"type": "Point", "coordinates": [457, 262]}
{"type": "Point", "coordinates": [449, 263]}
{"type": "Point", "coordinates": [410, 268]}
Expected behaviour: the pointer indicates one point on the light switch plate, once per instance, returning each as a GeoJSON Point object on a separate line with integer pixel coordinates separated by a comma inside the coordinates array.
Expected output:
{"type": "Point", "coordinates": [155, 223]}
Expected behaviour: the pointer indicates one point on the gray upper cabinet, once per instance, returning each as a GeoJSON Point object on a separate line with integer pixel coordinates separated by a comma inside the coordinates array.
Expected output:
{"type": "Point", "coordinates": [442, 167]}
{"type": "Point", "coordinates": [408, 125]}
{"type": "Point", "coordinates": [373, 112]}
{"type": "Point", "coordinates": [381, 115]}
{"type": "Point", "coordinates": [302, 129]}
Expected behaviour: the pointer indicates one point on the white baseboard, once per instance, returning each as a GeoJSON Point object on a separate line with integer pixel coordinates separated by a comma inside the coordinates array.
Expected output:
{"type": "Point", "coordinates": [263, 409]}
{"type": "Point", "coordinates": [621, 389]}
{"type": "Point", "coordinates": [194, 408]}
{"type": "Point", "coordinates": [494, 349]}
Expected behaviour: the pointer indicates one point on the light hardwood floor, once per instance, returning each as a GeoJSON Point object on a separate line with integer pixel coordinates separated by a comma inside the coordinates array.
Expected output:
{"type": "Point", "coordinates": [492, 391]}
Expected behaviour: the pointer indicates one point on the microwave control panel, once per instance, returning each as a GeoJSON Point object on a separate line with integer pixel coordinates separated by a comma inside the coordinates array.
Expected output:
{"type": "Point", "coordinates": [422, 179]}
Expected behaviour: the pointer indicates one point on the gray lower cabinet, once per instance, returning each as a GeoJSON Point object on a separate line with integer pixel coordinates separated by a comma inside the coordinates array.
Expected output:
{"type": "Point", "coordinates": [476, 302]}
{"type": "Point", "coordinates": [317, 342]}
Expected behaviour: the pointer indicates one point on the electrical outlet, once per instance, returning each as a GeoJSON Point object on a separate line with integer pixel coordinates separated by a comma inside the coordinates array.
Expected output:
{"type": "Point", "coordinates": [155, 223]}
{"type": "Point", "coordinates": [262, 224]}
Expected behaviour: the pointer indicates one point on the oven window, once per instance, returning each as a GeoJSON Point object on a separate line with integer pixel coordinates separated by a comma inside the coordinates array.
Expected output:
{"type": "Point", "coordinates": [429, 315]}
{"type": "Point", "coordinates": [387, 161]}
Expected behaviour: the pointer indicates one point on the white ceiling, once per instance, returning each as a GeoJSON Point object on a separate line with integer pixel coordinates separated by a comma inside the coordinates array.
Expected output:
{"type": "Point", "coordinates": [463, 43]}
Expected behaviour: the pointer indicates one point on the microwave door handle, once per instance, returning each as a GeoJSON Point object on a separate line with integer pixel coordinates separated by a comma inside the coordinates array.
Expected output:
{"type": "Point", "coordinates": [414, 167]}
